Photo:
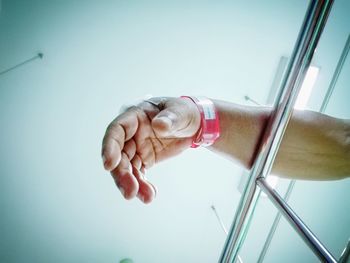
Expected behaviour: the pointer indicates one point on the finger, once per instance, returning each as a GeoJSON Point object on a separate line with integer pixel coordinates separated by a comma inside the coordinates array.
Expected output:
{"type": "Point", "coordinates": [180, 117]}
{"type": "Point", "coordinates": [143, 172]}
{"type": "Point", "coordinates": [147, 151]}
{"type": "Point", "coordinates": [146, 191]}
{"type": "Point", "coordinates": [119, 131]}
{"type": "Point", "coordinates": [143, 169]}
{"type": "Point", "coordinates": [130, 149]}
{"type": "Point", "coordinates": [124, 178]}
{"type": "Point", "coordinates": [154, 189]}
{"type": "Point", "coordinates": [140, 172]}
{"type": "Point", "coordinates": [137, 162]}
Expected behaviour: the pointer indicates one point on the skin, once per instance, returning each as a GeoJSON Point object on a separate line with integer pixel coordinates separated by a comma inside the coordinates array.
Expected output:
{"type": "Point", "coordinates": [314, 147]}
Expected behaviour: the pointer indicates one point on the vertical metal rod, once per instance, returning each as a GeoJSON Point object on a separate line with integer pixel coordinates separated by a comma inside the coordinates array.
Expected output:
{"type": "Point", "coordinates": [310, 239]}
{"type": "Point", "coordinates": [336, 74]}
{"type": "Point", "coordinates": [323, 107]}
{"type": "Point", "coordinates": [275, 224]}
{"type": "Point", "coordinates": [305, 46]}
{"type": "Point", "coordinates": [276, 82]}
{"type": "Point", "coordinates": [345, 255]}
{"type": "Point", "coordinates": [239, 259]}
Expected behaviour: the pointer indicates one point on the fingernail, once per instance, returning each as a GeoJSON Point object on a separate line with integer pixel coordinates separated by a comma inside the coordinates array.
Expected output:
{"type": "Point", "coordinates": [139, 196]}
{"type": "Point", "coordinates": [121, 189]}
{"type": "Point", "coordinates": [155, 190]}
{"type": "Point", "coordinates": [104, 160]}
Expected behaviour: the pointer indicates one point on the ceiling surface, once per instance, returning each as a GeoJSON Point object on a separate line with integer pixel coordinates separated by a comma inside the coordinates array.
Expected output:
{"type": "Point", "coordinates": [57, 202]}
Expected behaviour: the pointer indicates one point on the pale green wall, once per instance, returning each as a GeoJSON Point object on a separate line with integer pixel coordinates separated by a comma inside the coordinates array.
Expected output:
{"type": "Point", "coordinates": [57, 203]}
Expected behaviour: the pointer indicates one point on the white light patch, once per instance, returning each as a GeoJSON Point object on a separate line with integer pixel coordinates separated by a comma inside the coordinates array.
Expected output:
{"type": "Point", "coordinates": [272, 181]}
{"type": "Point", "coordinates": [306, 88]}
{"type": "Point", "coordinates": [300, 104]}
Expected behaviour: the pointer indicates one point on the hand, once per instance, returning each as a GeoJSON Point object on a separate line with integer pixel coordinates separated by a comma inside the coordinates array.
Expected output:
{"type": "Point", "coordinates": [142, 136]}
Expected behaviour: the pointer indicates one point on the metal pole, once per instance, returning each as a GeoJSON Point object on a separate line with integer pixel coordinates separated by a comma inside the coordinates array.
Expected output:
{"type": "Point", "coordinates": [275, 224]}
{"type": "Point", "coordinates": [336, 74]}
{"type": "Point", "coordinates": [310, 239]}
{"type": "Point", "coordinates": [305, 46]}
{"type": "Point", "coordinates": [345, 256]}
{"type": "Point", "coordinates": [326, 99]}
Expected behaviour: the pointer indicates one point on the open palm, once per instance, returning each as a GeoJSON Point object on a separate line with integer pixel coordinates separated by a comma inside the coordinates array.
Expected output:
{"type": "Point", "coordinates": [144, 135]}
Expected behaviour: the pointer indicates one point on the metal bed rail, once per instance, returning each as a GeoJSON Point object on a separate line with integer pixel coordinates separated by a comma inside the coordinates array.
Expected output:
{"type": "Point", "coordinates": [310, 32]}
{"type": "Point", "coordinates": [323, 107]}
{"type": "Point", "coordinates": [299, 226]}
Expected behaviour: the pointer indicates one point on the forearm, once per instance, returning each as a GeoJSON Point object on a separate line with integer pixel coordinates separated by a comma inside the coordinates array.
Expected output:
{"type": "Point", "coordinates": [314, 147]}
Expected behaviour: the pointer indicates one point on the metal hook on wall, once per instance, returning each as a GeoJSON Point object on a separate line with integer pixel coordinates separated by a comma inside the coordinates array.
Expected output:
{"type": "Point", "coordinates": [40, 55]}
{"type": "Point", "coordinates": [247, 98]}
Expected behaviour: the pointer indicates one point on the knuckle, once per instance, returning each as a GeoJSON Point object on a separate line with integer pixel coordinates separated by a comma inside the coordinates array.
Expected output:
{"type": "Point", "coordinates": [135, 109]}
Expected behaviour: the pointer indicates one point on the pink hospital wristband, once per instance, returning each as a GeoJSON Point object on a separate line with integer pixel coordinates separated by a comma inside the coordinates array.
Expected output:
{"type": "Point", "coordinates": [209, 130]}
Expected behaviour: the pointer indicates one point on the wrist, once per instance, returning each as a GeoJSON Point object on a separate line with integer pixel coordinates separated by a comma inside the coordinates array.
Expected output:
{"type": "Point", "coordinates": [207, 115]}
{"type": "Point", "coordinates": [194, 114]}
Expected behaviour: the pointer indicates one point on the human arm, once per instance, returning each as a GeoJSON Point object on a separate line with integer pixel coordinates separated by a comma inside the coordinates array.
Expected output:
{"type": "Point", "coordinates": [314, 147]}
{"type": "Point", "coordinates": [147, 134]}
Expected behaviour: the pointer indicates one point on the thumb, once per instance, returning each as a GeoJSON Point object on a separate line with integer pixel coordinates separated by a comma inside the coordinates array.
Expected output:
{"type": "Point", "coordinates": [181, 119]}
{"type": "Point", "coordinates": [166, 123]}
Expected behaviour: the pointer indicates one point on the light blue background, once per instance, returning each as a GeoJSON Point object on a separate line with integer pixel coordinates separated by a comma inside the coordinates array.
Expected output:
{"type": "Point", "coordinates": [57, 202]}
